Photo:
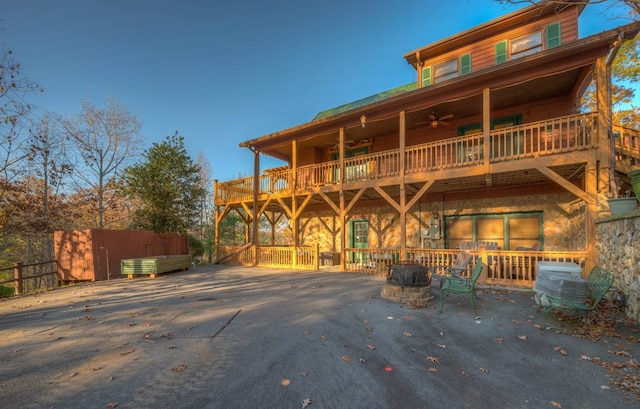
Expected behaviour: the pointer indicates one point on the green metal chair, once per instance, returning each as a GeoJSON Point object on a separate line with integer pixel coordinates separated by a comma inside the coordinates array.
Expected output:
{"type": "Point", "coordinates": [598, 283]}
{"type": "Point", "coordinates": [465, 286]}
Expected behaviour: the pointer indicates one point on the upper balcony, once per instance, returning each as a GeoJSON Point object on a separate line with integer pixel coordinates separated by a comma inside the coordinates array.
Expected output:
{"type": "Point", "coordinates": [456, 157]}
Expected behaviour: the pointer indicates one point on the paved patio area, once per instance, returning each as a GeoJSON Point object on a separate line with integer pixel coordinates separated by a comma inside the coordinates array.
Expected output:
{"type": "Point", "coordinates": [234, 337]}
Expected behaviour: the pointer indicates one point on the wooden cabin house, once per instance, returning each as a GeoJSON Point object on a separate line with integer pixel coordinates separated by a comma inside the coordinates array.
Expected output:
{"type": "Point", "coordinates": [487, 150]}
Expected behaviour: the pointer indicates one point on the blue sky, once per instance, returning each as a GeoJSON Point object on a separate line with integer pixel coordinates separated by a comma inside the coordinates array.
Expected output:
{"type": "Point", "coordinates": [222, 72]}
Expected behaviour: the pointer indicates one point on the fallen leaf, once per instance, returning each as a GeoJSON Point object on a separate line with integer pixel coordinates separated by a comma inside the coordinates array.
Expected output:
{"type": "Point", "coordinates": [147, 335]}
{"type": "Point", "coordinates": [620, 353]}
{"type": "Point", "coordinates": [498, 339]}
{"type": "Point", "coordinates": [433, 359]}
{"type": "Point", "coordinates": [112, 377]}
{"type": "Point", "coordinates": [362, 361]}
{"type": "Point", "coordinates": [113, 405]}
{"type": "Point", "coordinates": [286, 382]}
{"type": "Point", "coordinates": [179, 368]}
{"type": "Point", "coordinates": [173, 346]}
{"type": "Point", "coordinates": [306, 403]}
{"type": "Point", "coordinates": [192, 326]}
{"type": "Point", "coordinates": [323, 337]}
{"type": "Point", "coordinates": [522, 337]}
{"type": "Point", "coordinates": [388, 369]}
{"type": "Point", "coordinates": [466, 374]}
{"type": "Point", "coordinates": [407, 334]}
{"type": "Point", "coordinates": [307, 332]}
{"type": "Point", "coordinates": [484, 370]}
{"type": "Point", "coordinates": [346, 358]}
{"type": "Point", "coordinates": [560, 350]}
{"type": "Point", "coordinates": [304, 374]}
{"type": "Point", "coordinates": [127, 352]}
{"type": "Point", "coordinates": [433, 370]}
{"type": "Point", "coordinates": [516, 322]}
{"type": "Point", "coordinates": [585, 358]}
{"type": "Point", "coordinates": [442, 346]}
{"type": "Point", "coordinates": [371, 347]}
{"type": "Point", "coordinates": [72, 374]}
{"type": "Point", "coordinates": [556, 404]}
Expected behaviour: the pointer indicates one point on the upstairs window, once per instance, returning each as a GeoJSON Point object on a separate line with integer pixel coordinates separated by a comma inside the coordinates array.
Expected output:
{"type": "Point", "coordinates": [446, 70]}
{"type": "Point", "coordinates": [526, 45]}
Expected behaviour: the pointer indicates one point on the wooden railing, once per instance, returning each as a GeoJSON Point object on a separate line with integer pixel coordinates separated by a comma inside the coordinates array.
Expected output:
{"type": "Point", "coordinates": [28, 278]}
{"type": "Point", "coordinates": [296, 258]}
{"type": "Point", "coordinates": [508, 268]}
{"type": "Point", "coordinates": [558, 135]}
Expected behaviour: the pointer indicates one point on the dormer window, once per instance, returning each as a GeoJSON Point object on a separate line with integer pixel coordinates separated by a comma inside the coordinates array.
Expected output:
{"type": "Point", "coordinates": [526, 45]}
{"type": "Point", "coordinates": [446, 70]}
{"type": "Point", "coordinates": [530, 44]}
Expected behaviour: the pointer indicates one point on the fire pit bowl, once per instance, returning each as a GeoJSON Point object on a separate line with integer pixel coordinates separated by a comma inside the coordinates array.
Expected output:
{"type": "Point", "coordinates": [408, 283]}
{"type": "Point", "coordinates": [408, 275]}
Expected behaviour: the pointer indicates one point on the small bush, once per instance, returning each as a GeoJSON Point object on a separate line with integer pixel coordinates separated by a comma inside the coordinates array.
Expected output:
{"type": "Point", "coordinates": [6, 291]}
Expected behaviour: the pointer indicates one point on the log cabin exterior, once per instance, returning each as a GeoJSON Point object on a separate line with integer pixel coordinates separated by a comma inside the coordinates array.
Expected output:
{"type": "Point", "coordinates": [486, 149]}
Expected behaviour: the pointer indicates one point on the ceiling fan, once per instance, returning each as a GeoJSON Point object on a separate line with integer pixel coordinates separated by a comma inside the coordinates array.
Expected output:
{"type": "Point", "coordinates": [435, 119]}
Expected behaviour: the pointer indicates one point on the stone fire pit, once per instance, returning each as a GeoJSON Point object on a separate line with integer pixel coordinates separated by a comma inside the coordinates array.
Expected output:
{"type": "Point", "coordinates": [407, 282]}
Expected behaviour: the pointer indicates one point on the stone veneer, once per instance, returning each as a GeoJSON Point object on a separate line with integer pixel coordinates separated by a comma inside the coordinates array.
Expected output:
{"type": "Point", "coordinates": [563, 224]}
{"type": "Point", "coordinates": [618, 248]}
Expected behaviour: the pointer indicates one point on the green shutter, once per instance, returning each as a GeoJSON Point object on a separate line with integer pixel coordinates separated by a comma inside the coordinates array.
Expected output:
{"type": "Point", "coordinates": [553, 35]}
{"type": "Point", "coordinates": [426, 76]}
{"type": "Point", "coordinates": [501, 52]}
{"type": "Point", "coordinates": [465, 64]}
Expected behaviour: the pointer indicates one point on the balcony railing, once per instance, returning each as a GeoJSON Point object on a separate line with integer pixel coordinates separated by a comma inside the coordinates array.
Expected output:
{"type": "Point", "coordinates": [558, 135]}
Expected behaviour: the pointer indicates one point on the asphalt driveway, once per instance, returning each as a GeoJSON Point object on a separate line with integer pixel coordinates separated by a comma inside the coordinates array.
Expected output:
{"type": "Point", "coordinates": [235, 337]}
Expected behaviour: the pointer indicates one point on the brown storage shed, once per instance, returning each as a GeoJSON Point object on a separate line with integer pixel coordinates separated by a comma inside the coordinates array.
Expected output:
{"type": "Point", "coordinates": [94, 255]}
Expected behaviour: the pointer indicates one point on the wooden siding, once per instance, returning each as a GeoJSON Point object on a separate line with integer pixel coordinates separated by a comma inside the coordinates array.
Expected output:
{"type": "Point", "coordinates": [483, 49]}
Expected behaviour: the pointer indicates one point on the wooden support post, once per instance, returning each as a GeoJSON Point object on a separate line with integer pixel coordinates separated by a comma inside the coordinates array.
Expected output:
{"type": "Point", "coordinates": [17, 273]}
{"type": "Point", "coordinates": [216, 228]}
{"type": "Point", "coordinates": [316, 257]}
{"type": "Point", "coordinates": [486, 130]}
{"type": "Point", "coordinates": [256, 189]}
{"type": "Point", "coordinates": [403, 196]}
{"type": "Point", "coordinates": [343, 218]}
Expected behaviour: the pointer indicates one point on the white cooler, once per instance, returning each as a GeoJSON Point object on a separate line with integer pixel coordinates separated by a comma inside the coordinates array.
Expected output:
{"type": "Point", "coordinates": [557, 267]}
{"type": "Point", "coordinates": [562, 280]}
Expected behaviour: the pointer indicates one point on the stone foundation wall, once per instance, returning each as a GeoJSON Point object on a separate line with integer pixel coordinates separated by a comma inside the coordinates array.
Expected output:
{"type": "Point", "coordinates": [618, 248]}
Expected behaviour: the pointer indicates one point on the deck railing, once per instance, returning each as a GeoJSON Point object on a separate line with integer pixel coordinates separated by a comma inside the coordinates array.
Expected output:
{"type": "Point", "coordinates": [296, 258]}
{"type": "Point", "coordinates": [557, 135]}
{"type": "Point", "coordinates": [508, 268]}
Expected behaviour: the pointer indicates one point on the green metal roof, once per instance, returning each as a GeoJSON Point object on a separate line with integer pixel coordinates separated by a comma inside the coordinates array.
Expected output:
{"type": "Point", "coordinates": [366, 101]}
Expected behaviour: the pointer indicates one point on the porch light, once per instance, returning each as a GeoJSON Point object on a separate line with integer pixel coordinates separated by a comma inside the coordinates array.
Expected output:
{"type": "Point", "coordinates": [434, 124]}
{"type": "Point", "coordinates": [363, 119]}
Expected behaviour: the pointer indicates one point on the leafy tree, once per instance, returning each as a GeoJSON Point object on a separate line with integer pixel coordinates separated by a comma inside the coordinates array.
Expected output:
{"type": "Point", "coordinates": [105, 139]}
{"type": "Point", "coordinates": [625, 73]}
{"type": "Point", "coordinates": [634, 5]}
{"type": "Point", "coordinates": [168, 186]}
{"type": "Point", "coordinates": [14, 110]}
